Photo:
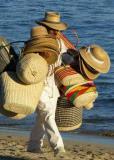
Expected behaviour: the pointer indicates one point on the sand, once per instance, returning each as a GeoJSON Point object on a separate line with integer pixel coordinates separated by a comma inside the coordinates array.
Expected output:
{"type": "Point", "coordinates": [13, 147]}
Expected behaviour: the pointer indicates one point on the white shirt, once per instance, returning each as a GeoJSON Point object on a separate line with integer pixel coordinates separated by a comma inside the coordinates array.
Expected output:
{"type": "Point", "coordinates": [50, 88]}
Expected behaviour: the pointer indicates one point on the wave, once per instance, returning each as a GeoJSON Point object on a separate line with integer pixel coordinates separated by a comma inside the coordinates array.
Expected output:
{"type": "Point", "coordinates": [99, 120]}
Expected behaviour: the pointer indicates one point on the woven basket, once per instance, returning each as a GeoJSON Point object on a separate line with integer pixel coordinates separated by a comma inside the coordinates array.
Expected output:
{"type": "Point", "coordinates": [68, 76]}
{"type": "Point", "coordinates": [4, 54]}
{"type": "Point", "coordinates": [17, 97]}
{"type": "Point", "coordinates": [8, 56]}
{"type": "Point", "coordinates": [68, 117]}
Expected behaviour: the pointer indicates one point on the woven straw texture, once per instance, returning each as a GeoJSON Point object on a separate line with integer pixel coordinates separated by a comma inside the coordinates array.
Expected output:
{"type": "Point", "coordinates": [82, 95]}
{"type": "Point", "coordinates": [4, 54]}
{"type": "Point", "coordinates": [68, 117]}
{"type": "Point", "coordinates": [32, 68]}
{"type": "Point", "coordinates": [67, 76]}
{"type": "Point", "coordinates": [17, 97]}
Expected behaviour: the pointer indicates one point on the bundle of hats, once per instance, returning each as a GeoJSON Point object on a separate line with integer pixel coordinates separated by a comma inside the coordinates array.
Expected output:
{"type": "Point", "coordinates": [94, 60]}
{"type": "Point", "coordinates": [42, 43]}
{"type": "Point", "coordinates": [80, 91]}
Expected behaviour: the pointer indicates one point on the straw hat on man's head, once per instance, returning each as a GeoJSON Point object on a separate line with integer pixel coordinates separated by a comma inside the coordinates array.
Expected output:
{"type": "Point", "coordinates": [96, 58]}
{"type": "Point", "coordinates": [52, 20]}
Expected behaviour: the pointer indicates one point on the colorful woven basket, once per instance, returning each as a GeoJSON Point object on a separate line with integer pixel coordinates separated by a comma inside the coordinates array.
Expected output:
{"type": "Point", "coordinates": [68, 76]}
{"type": "Point", "coordinates": [81, 95]}
{"type": "Point", "coordinates": [68, 117]}
{"type": "Point", "coordinates": [17, 97]}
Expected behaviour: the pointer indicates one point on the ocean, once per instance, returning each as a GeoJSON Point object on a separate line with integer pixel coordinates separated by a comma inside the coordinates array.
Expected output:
{"type": "Point", "coordinates": [94, 23]}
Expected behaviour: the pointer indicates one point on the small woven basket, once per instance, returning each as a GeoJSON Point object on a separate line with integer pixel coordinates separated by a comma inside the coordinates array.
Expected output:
{"type": "Point", "coordinates": [68, 117]}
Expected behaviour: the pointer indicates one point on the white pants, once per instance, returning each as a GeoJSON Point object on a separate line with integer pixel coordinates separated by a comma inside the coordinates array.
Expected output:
{"type": "Point", "coordinates": [45, 120]}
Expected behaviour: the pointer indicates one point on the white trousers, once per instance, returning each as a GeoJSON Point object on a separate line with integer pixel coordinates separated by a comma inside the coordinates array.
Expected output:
{"type": "Point", "coordinates": [45, 120]}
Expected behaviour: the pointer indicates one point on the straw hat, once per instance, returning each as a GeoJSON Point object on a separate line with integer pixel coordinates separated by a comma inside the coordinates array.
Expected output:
{"type": "Point", "coordinates": [38, 31]}
{"type": "Point", "coordinates": [40, 38]}
{"type": "Point", "coordinates": [87, 72]}
{"type": "Point", "coordinates": [41, 41]}
{"type": "Point", "coordinates": [96, 57]}
{"type": "Point", "coordinates": [52, 20]}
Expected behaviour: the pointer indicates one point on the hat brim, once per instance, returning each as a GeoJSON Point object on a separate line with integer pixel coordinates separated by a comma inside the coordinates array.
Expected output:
{"type": "Point", "coordinates": [34, 45]}
{"type": "Point", "coordinates": [51, 59]}
{"type": "Point", "coordinates": [100, 67]}
{"type": "Point", "coordinates": [56, 26]}
{"type": "Point", "coordinates": [89, 74]}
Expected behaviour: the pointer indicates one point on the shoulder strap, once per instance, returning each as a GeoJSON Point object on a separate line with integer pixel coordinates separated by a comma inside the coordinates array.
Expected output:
{"type": "Point", "coordinates": [68, 44]}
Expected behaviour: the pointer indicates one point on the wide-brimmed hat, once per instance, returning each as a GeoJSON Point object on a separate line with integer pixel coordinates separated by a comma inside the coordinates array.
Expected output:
{"type": "Point", "coordinates": [41, 41]}
{"type": "Point", "coordinates": [89, 74]}
{"type": "Point", "coordinates": [39, 31]}
{"type": "Point", "coordinates": [52, 20]}
{"type": "Point", "coordinates": [96, 57]}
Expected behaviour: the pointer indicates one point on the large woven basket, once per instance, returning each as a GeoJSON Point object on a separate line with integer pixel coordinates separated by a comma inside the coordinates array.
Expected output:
{"type": "Point", "coordinates": [17, 97]}
{"type": "Point", "coordinates": [68, 117]}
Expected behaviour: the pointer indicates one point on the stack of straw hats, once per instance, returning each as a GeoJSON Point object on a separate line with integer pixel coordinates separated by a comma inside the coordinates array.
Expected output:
{"type": "Point", "coordinates": [42, 43]}
{"type": "Point", "coordinates": [94, 60]}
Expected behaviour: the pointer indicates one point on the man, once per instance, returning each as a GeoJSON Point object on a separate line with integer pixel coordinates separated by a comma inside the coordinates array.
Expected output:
{"type": "Point", "coordinates": [45, 120]}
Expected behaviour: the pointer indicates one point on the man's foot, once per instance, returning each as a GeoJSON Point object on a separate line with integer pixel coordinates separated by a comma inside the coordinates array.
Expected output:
{"type": "Point", "coordinates": [59, 152]}
{"type": "Point", "coordinates": [38, 150]}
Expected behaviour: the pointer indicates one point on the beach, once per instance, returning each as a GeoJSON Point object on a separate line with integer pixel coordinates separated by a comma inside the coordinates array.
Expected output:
{"type": "Point", "coordinates": [13, 147]}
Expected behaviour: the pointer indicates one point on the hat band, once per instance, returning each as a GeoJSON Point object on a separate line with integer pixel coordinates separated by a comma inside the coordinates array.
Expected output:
{"type": "Point", "coordinates": [92, 70]}
{"type": "Point", "coordinates": [92, 57]}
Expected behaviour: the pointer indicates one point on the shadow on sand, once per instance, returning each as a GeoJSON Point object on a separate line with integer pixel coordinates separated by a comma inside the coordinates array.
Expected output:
{"type": "Point", "coordinates": [12, 158]}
